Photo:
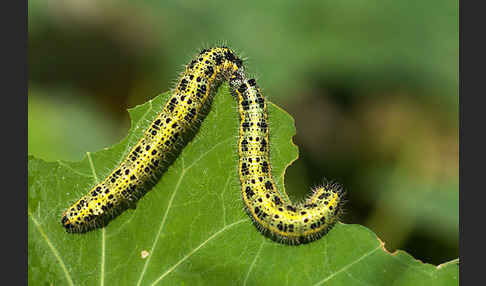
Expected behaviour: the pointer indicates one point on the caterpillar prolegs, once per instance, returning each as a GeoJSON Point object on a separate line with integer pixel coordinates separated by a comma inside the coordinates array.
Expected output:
{"type": "Point", "coordinates": [276, 218]}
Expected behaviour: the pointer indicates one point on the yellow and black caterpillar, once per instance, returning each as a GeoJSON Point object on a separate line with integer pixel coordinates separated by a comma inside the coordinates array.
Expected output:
{"type": "Point", "coordinates": [275, 217]}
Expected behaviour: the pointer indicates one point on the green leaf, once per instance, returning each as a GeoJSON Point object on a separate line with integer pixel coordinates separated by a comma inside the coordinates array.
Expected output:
{"type": "Point", "coordinates": [190, 229]}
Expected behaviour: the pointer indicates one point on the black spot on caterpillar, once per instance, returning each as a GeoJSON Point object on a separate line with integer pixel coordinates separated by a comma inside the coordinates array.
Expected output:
{"type": "Point", "coordinates": [281, 221]}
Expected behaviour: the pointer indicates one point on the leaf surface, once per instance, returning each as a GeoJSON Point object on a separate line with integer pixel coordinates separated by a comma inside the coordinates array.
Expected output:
{"type": "Point", "coordinates": [191, 228]}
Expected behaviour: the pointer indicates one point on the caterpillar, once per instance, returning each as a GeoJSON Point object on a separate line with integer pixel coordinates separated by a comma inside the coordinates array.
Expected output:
{"type": "Point", "coordinates": [272, 215]}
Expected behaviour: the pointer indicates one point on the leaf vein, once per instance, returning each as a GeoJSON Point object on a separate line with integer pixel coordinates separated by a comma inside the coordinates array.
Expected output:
{"type": "Point", "coordinates": [156, 239]}
{"type": "Point", "coordinates": [196, 249]}
{"type": "Point", "coordinates": [53, 249]}
{"type": "Point", "coordinates": [348, 266]}
{"type": "Point", "coordinates": [103, 231]}
{"type": "Point", "coordinates": [253, 262]}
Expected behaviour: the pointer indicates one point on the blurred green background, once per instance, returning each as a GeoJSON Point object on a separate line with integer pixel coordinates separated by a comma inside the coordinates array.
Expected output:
{"type": "Point", "coordinates": [372, 85]}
